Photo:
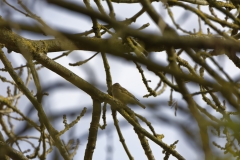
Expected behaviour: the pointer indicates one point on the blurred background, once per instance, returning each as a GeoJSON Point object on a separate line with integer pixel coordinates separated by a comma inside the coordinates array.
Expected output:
{"type": "Point", "coordinates": [66, 99]}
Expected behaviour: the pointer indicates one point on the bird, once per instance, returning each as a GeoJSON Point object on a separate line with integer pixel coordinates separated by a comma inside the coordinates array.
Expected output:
{"type": "Point", "coordinates": [124, 96]}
